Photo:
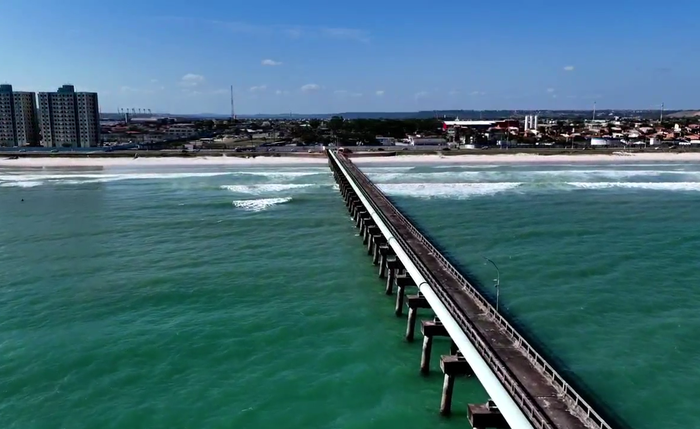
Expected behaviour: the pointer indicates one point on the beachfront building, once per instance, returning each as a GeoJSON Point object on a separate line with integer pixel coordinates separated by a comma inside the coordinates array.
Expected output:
{"type": "Point", "coordinates": [179, 131]}
{"type": "Point", "coordinates": [18, 120]}
{"type": "Point", "coordinates": [69, 118]}
{"type": "Point", "coordinates": [418, 140]}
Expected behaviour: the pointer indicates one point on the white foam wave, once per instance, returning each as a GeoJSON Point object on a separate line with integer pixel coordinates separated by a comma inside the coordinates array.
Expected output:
{"type": "Point", "coordinates": [261, 204]}
{"type": "Point", "coordinates": [80, 178]}
{"type": "Point", "coordinates": [446, 190]}
{"type": "Point", "coordinates": [522, 176]}
{"type": "Point", "coordinates": [283, 174]}
{"type": "Point", "coordinates": [265, 188]}
{"type": "Point", "coordinates": [658, 186]}
{"type": "Point", "coordinates": [25, 184]}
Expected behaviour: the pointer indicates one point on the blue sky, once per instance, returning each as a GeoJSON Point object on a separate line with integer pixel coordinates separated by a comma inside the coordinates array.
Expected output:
{"type": "Point", "coordinates": [308, 56]}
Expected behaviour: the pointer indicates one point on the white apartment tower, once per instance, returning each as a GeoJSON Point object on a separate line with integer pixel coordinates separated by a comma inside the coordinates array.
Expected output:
{"type": "Point", "coordinates": [531, 122]}
{"type": "Point", "coordinates": [18, 119]}
{"type": "Point", "coordinates": [69, 118]}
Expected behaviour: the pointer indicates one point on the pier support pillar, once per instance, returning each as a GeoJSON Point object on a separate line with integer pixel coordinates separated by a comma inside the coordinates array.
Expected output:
{"type": "Point", "coordinates": [452, 366]}
{"type": "Point", "coordinates": [400, 293]}
{"type": "Point", "coordinates": [378, 242]}
{"type": "Point", "coordinates": [370, 229]}
{"type": "Point", "coordinates": [383, 259]}
{"type": "Point", "coordinates": [374, 236]}
{"type": "Point", "coordinates": [393, 268]}
{"type": "Point", "coordinates": [402, 281]}
{"type": "Point", "coordinates": [430, 329]}
{"type": "Point", "coordinates": [391, 274]}
{"type": "Point", "coordinates": [448, 386]}
{"type": "Point", "coordinates": [425, 354]}
{"type": "Point", "coordinates": [486, 416]}
{"type": "Point", "coordinates": [361, 213]}
{"type": "Point", "coordinates": [414, 303]}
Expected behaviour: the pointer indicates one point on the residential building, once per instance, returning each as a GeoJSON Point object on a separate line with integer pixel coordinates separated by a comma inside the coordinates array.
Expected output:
{"type": "Point", "coordinates": [177, 131]}
{"type": "Point", "coordinates": [69, 118]}
{"type": "Point", "coordinates": [7, 117]}
{"type": "Point", "coordinates": [18, 120]}
{"type": "Point", "coordinates": [26, 120]}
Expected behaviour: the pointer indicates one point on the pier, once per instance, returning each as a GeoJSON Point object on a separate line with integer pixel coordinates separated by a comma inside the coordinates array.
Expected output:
{"type": "Point", "coordinates": [525, 390]}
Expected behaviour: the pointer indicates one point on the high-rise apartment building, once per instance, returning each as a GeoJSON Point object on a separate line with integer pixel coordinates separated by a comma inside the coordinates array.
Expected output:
{"type": "Point", "coordinates": [18, 118]}
{"type": "Point", "coordinates": [69, 118]}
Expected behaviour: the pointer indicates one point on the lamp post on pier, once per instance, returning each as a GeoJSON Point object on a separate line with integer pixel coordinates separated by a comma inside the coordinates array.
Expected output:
{"type": "Point", "coordinates": [497, 280]}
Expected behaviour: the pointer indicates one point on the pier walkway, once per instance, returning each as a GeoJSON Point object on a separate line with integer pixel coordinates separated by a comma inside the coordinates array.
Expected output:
{"type": "Point", "coordinates": [525, 390]}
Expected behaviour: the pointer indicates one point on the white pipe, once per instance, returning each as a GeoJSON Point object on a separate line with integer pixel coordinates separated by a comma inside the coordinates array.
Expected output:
{"type": "Point", "coordinates": [508, 408]}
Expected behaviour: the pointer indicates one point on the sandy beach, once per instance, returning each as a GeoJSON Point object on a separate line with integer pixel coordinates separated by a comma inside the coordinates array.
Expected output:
{"type": "Point", "coordinates": [404, 159]}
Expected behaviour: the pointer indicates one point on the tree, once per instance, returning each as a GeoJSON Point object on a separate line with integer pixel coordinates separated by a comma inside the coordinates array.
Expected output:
{"type": "Point", "coordinates": [336, 124]}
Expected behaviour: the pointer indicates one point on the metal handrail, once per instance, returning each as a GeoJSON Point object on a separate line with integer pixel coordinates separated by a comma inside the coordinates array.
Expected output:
{"type": "Point", "coordinates": [583, 409]}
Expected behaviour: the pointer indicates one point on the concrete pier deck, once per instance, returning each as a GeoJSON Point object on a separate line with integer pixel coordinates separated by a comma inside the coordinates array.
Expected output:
{"type": "Point", "coordinates": [544, 397]}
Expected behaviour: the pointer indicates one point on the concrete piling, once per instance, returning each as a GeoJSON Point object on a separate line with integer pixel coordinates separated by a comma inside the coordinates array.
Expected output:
{"type": "Point", "coordinates": [414, 302]}
{"type": "Point", "coordinates": [486, 415]}
{"type": "Point", "coordinates": [400, 295]}
{"type": "Point", "coordinates": [430, 329]}
{"type": "Point", "coordinates": [452, 366]}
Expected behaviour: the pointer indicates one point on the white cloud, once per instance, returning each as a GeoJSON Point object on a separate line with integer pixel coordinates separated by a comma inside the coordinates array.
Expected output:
{"type": "Point", "coordinates": [454, 92]}
{"type": "Point", "coordinates": [346, 33]}
{"type": "Point", "coordinates": [379, 93]}
{"type": "Point", "coordinates": [154, 80]}
{"type": "Point", "coordinates": [258, 88]}
{"type": "Point", "coordinates": [290, 31]}
{"type": "Point", "coordinates": [271, 63]}
{"type": "Point", "coordinates": [191, 80]}
{"type": "Point", "coordinates": [310, 87]}
{"type": "Point", "coordinates": [550, 90]}
{"type": "Point", "coordinates": [569, 68]}
{"type": "Point", "coordinates": [132, 90]}
{"type": "Point", "coordinates": [191, 92]}
{"type": "Point", "coordinates": [420, 94]}
{"type": "Point", "coordinates": [346, 93]}
{"type": "Point", "coordinates": [476, 93]}
{"type": "Point", "coordinates": [294, 32]}
{"type": "Point", "coordinates": [281, 92]}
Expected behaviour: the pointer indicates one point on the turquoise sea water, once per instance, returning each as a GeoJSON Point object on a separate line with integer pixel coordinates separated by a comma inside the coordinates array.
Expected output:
{"type": "Point", "coordinates": [231, 297]}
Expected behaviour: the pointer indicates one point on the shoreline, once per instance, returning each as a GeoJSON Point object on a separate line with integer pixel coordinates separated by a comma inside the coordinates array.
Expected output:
{"type": "Point", "coordinates": [362, 159]}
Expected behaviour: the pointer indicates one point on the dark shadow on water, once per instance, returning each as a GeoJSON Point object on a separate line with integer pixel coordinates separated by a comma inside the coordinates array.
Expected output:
{"type": "Point", "coordinates": [607, 413]}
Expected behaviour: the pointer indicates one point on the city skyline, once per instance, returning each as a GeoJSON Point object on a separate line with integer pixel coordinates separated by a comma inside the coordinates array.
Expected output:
{"type": "Point", "coordinates": [61, 118]}
{"type": "Point", "coordinates": [319, 58]}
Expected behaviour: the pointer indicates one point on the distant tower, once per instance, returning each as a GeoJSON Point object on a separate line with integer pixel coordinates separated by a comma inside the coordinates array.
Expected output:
{"type": "Point", "coordinates": [594, 103]}
{"type": "Point", "coordinates": [534, 122]}
{"type": "Point", "coordinates": [661, 118]}
{"type": "Point", "coordinates": [233, 110]}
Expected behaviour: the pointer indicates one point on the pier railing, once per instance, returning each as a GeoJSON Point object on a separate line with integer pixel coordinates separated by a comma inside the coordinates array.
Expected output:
{"type": "Point", "coordinates": [578, 405]}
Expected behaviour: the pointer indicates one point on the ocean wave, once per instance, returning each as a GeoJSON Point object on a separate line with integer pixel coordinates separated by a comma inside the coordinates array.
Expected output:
{"type": "Point", "coordinates": [260, 204]}
{"type": "Point", "coordinates": [446, 190]}
{"type": "Point", "coordinates": [81, 178]}
{"type": "Point", "coordinates": [265, 188]}
{"type": "Point", "coordinates": [656, 186]}
{"type": "Point", "coordinates": [284, 174]}
{"type": "Point", "coordinates": [467, 190]}
{"type": "Point", "coordinates": [24, 184]}
{"type": "Point", "coordinates": [536, 176]}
